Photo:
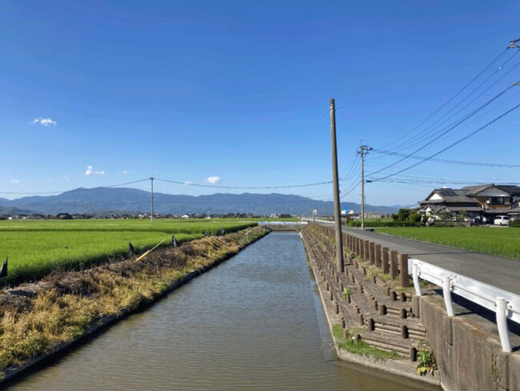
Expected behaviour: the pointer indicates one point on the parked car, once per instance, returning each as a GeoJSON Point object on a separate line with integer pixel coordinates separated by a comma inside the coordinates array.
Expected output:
{"type": "Point", "coordinates": [502, 220]}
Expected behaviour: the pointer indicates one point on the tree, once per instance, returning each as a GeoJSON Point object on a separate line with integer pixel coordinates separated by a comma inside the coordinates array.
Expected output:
{"type": "Point", "coordinates": [415, 217]}
{"type": "Point", "coordinates": [403, 214]}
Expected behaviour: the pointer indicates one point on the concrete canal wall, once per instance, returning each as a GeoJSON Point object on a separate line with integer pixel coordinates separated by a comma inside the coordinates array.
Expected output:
{"type": "Point", "coordinates": [466, 346]}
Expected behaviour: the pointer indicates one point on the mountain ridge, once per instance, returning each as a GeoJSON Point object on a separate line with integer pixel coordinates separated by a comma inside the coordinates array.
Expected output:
{"type": "Point", "coordinates": [99, 199]}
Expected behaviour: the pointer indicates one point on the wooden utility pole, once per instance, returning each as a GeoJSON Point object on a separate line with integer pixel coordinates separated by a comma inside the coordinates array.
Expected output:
{"type": "Point", "coordinates": [151, 217]}
{"type": "Point", "coordinates": [335, 180]}
{"type": "Point", "coordinates": [363, 150]}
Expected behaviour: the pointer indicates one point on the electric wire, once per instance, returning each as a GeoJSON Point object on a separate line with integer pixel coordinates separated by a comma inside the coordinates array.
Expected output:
{"type": "Point", "coordinates": [446, 131]}
{"type": "Point", "coordinates": [74, 190]}
{"type": "Point", "coordinates": [409, 143]}
{"type": "Point", "coordinates": [451, 145]}
{"type": "Point", "coordinates": [448, 161]}
{"type": "Point", "coordinates": [451, 99]}
{"type": "Point", "coordinates": [245, 188]}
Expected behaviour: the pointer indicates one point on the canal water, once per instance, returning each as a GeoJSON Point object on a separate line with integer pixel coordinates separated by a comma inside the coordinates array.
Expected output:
{"type": "Point", "coordinates": [253, 323]}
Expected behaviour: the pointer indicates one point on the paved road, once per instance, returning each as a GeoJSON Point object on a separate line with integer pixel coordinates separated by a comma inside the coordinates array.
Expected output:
{"type": "Point", "coordinates": [500, 272]}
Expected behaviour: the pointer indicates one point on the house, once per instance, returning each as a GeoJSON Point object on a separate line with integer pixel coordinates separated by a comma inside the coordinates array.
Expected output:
{"type": "Point", "coordinates": [481, 201]}
{"type": "Point", "coordinates": [64, 216]}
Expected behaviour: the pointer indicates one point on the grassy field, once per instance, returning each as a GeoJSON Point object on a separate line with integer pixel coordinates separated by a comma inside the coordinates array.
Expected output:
{"type": "Point", "coordinates": [504, 242]}
{"type": "Point", "coordinates": [35, 248]}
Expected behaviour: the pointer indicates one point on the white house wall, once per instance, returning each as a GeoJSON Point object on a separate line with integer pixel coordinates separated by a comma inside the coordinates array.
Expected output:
{"type": "Point", "coordinates": [434, 197]}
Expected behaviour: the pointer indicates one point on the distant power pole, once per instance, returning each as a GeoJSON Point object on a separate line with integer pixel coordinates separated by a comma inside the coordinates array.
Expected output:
{"type": "Point", "coordinates": [337, 212]}
{"type": "Point", "coordinates": [151, 217]}
{"type": "Point", "coordinates": [363, 150]}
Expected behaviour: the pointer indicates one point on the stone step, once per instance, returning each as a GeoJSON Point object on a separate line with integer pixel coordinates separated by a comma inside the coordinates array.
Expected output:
{"type": "Point", "coordinates": [404, 330]}
{"type": "Point", "coordinates": [385, 342]}
{"type": "Point", "coordinates": [411, 324]}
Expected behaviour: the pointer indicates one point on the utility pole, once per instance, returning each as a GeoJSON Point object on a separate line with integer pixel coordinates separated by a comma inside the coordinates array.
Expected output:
{"type": "Point", "coordinates": [151, 217]}
{"type": "Point", "coordinates": [363, 150]}
{"type": "Point", "coordinates": [337, 211]}
{"type": "Point", "coordinates": [513, 44]}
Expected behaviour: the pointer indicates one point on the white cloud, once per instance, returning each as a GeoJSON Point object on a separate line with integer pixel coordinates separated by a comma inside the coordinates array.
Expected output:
{"type": "Point", "coordinates": [214, 180]}
{"type": "Point", "coordinates": [89, 171]}
{"type": "Point", "coordinates": [188, 183]}
{"type": "Point", "coordinates": [15, 182]}
{"type": "Point", "coordinates": [66, 178]}
{"type": "Point", "coordinates": [124, 172]}
{"type": "Point", "coordinates": [100, 172]}
{"type": "Point", "coordinates": [44, 121]}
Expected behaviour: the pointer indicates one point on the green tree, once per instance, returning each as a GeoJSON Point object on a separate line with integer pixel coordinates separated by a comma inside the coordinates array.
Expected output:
{"type": "Point", "coordinates": [415, 217]}
{"type": "Point", "coordinates": [403, 214]}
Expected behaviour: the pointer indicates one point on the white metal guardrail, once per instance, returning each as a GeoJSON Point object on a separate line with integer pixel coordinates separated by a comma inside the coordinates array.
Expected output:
{"type": "Point", "coordinates": [505, 304]}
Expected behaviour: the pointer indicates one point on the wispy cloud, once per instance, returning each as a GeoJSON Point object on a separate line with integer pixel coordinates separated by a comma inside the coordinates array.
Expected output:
{"type": "Point", "coordinates": [188, 183]}
{"type": "Point", "coordinates": [66, 178]}
{"type": "Point", "coordinates": [214, 180]}
{"type": "Point", "coordinates": [100, 173]}
{"type": "Point", "coordinates": [44, 121]}
{"type": "Point", "coordinates": [15, 181]}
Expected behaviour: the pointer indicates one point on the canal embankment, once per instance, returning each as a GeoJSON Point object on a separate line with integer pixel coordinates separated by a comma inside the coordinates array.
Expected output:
{"type": "Point", "coordinates": [466, 347]}
{"type": "Point", "coordinates": [40, 320]}
{"type": "Point", "coordinates": [252, 323]}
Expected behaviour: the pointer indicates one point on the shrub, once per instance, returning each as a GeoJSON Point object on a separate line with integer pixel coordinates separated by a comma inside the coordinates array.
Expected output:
{"type": "Point", "coordinates": [403, 214]}
{"type": "Point", "coordinates": [515, 223]}
{"type": "Point", "coordinates": [415, 217]}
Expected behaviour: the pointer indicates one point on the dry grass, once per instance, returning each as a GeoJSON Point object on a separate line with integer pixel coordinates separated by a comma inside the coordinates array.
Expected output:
{"type": "Point", "coordinates": [65, 304]}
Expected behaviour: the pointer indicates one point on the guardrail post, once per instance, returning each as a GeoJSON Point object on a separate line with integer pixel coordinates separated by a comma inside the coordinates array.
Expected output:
{"type": "Point", "coordinates": [365, 251]}
{"type": "Point", "coordinates": [416, 284]}
{"type": "Point", "coordinates": [393, 265]}
{"type": "Point", "coordinates": [362, 249]}
{"type": "Point", "coordinates": [502, 324]}
{"type": "Point", "coordinates": [403, 264]}
{"type": "Point", "coordinates": [378, 255]}
{"type": "Point", "coordinates": [446, 291]}
{"type": "Point", "coordinates": [372, 253]}
{"type": "Point", "coordinates": [384, 260]}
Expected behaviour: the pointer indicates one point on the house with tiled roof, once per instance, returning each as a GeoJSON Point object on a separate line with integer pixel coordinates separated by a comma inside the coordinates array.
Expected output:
{"type": "Point", "coordinates": [482, 201]}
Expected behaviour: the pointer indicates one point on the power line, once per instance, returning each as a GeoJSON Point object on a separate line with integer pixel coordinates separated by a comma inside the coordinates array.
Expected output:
{"type": "Point", "coordinates": [245, 188]}
{"type": "Point", "coordinates": [447, 161]}
{"type": "Point", "coordinates": [66, 191]}
{"type": "Point", "coordinates": [446, 131]}
{"type": "Point", "coordinates": [451, 99]}
{"type": "Point", "coordinates": [451, 145]}
{"type": "Point", "coordinates": [411, 140]}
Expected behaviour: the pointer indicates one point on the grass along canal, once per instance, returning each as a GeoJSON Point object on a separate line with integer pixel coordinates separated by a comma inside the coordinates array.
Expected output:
{"type": "Point", "coordinates": [252, 323]}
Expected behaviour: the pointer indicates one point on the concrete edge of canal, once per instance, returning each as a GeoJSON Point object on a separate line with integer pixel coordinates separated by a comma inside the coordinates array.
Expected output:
{"type": "Point", "coordinates": [400, 368]}
{"type": "Point", "coordinates": [12, 374]}
{"type": "Point", "coordinates": [466, 347]}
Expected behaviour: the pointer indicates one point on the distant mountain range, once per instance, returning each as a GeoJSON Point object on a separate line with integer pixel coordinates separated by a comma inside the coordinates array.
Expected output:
{"type": "Point", "coordinates": [126, 200]}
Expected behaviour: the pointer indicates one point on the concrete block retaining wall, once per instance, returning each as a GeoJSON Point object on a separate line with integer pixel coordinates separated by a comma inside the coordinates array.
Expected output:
{"type": "Point", "coordinates": [467, 348]}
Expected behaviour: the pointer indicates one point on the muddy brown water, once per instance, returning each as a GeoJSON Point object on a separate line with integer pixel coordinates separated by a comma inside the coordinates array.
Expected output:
{"type": "Point", "coordinates": [253, 323]}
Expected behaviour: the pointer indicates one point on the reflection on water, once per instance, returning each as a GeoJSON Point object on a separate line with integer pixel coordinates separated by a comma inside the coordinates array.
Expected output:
{"type": "Point", "coordinates": [252, 323]}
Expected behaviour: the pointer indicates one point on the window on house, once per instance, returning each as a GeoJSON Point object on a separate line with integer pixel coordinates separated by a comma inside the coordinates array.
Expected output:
{"type": "Point", "coordinates": [496, 200]}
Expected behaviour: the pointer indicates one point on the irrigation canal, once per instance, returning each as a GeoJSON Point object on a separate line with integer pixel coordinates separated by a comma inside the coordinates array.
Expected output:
{"type": "Point", "coordinates": [253, 323]}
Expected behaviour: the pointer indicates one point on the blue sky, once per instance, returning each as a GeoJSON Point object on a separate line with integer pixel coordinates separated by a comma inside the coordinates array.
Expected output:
{"type": "Point", "coordinates": [236, 93]}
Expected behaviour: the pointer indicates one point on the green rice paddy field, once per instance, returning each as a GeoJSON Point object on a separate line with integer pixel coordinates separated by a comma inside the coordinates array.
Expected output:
{"type": "Point", "coordinates": [35, 248]}
{"type": "Point", "coordinates": [503, 242]}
